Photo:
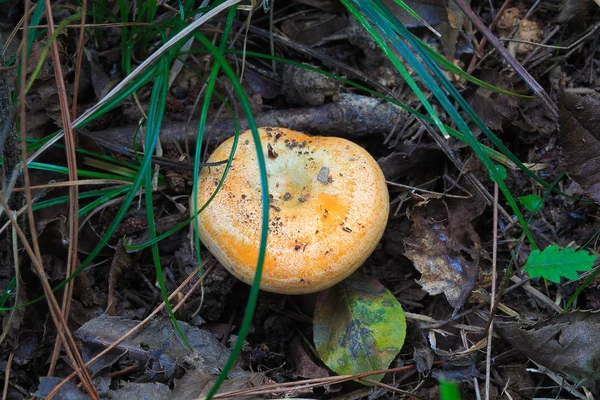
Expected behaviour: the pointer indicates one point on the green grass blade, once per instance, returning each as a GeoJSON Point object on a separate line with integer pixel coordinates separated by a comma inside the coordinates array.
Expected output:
{"type": "Point", "coordinates": [399, 66]}
{"type": "Point", "coordinates": [156, 111]}
{"type": "Point", "coordinates": [382, 17]}
{"type": "Point", "coordinates": [210, 86]}
{"type": "Point", "coordinates": [254, 290]}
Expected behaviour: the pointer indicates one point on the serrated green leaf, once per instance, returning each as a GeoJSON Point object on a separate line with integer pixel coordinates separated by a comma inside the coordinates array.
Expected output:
{"type": "Point", "coordinates": [553, 263]}
{"type": "Point", "coordinates": [359, 326]}
{"type": "Point", "coordinates": [531, 202]}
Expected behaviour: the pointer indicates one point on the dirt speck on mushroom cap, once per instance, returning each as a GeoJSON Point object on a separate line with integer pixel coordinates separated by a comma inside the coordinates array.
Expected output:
{"type": "Point", "coordinates": [318, 233]}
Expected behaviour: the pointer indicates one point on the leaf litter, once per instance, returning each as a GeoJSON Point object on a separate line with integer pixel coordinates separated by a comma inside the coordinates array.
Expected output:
{"type": "Point", "coordinates": [445, 248]}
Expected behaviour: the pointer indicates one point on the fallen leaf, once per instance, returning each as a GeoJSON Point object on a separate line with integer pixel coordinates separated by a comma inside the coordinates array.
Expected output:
{"type": "Point", "coordinates": [146, 391]}
{"type": "Point", "coordinates": [158, 340]}
{"type": "Point", "coordinates": [305, 367]}
{"type": "Point", "coordinates": [359, 326]}
{"type": "Point", "coordinates": [68, 391]}
{"type": "Point", "coordinates": [197, 384]}
{"type": "Point", "coordinates": [445, 248]}
{"type": "Point", "coordinates": [580, 140]}
{"type": "Point", "coordinates": [121, 260]}
{"type": "Point", "coordinates": [192, 386]}
{"type": "Point", "coordinates": [495, 110]}
{"type": "Point", "coordinates": [573, 11]}
{"type": "Point", "coordinates": [567, 344]}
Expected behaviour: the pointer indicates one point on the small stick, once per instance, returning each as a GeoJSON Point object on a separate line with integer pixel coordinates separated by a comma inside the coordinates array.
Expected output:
{"type": "Point", "coordinates": [488, 358]}
{"type": "Point", "coordinates": [7, 375]}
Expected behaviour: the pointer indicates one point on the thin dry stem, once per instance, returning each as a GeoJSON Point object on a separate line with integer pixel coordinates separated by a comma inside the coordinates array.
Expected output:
{"type": "Point", "coordinates": [57, 317]}
{"type": "Point", "coordinates": [490, 332]}
{"type": "Point", "coordinates": [7, 375]}
{"type": "Point", "coordinates": [73, 190]}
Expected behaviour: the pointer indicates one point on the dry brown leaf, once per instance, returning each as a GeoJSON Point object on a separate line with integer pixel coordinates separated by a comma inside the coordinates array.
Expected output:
{"type": "Point", "coordinates": [121, 260]}
{"type": "Point", "coordinates": [158, 340]}
{"type": "Point", "coordinates": [567, 344]}
{"type": "Point", "coordinates": [573, 11]}
{"type": "Point", "coordinates": [445, 248]}
{"type": "Point", "coordinates": [580, 140]}
{"type": "Point", "coordinates": [495, 110]}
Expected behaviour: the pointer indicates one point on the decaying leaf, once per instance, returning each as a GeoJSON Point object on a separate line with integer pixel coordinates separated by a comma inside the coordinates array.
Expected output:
{"type": "Point", "coordinates": [68, 391]}
{"type": "Point", "coordinates": [573, 11]}
{"type": "Point", "coordinates": [580, 140]}
{"type": "Point", "coordinates": [158, 340]}
{"type": "Point", "coordinates": [192, 386]}
{"type": "Point", "coordinates": [495, 110]}
{"type": "Point", "coordinates": [359, 326]}
{"type": "Point", "coordinates": [567, 344]}
{"type": "Point", "coordinates": [305, 367]}
{"type": "Point", "coordinates": [121, 260]}
{"type": "Point", "coordinates": [445, 248]}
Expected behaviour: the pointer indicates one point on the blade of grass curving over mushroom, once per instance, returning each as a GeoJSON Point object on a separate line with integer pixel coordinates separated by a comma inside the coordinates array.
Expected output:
{"type": "Point", "coordinates": [254, 290]}
{"type": "Point", "coordinates": [382, 17]}
{"type": "Point", "coordinates": [208, 94]}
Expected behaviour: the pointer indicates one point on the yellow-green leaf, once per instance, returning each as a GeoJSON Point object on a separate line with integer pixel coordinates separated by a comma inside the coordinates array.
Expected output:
{"type": "Point", "coordinates": [359, 326]}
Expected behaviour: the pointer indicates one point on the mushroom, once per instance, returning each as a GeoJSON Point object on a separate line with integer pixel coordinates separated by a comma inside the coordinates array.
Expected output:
{"type": "Point", "coordinates": [329, 207]}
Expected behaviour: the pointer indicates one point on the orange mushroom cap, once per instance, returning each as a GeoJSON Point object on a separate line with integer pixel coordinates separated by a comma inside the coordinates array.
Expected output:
{"type": "Point", "coordinates": [329, 207]}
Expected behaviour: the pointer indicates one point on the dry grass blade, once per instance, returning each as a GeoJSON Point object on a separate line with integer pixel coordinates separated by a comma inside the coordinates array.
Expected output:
{"type": "Point", "coordinates": [490, 332]}
{"type": "Point", "coordinates": [73, 190]}
{"type": "Point", "coordinates": [81, 182]}
{"type": "Point", "coordinates": [138, 71]}
{"type": "Point", "coordinates": [306, 384]}
{"type": "Point", "coordinates": [57, 317]}
{"type": "Point", "coordinates": [7, 375]}
{"type": "Point", "coordinates": [55, 312]}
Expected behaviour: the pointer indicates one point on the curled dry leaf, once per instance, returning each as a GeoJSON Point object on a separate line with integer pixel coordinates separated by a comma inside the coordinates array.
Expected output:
{"type": "Point", "coordinates": [580, 140]}
{"type": "Point", "coordinates": [567, 344]}
{"type": "Point", "coordinates": [445, 248]}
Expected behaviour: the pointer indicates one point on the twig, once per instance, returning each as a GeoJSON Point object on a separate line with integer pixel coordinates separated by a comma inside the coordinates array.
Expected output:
{"type": "Point", "coordinates": [531, 82]}
{"type": "Point", "coordinates": [490, 332]}
{"type": "Point", "coordinates": [538, 295]}
{"type": "Point", "coordinates": [7, 375]}
{"type": "Point", "coordinates": [416, 189]}
{"type": "Point", "coordinates": [353, 117]}
{"type": "Point", "coordinates": [391, 388]}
